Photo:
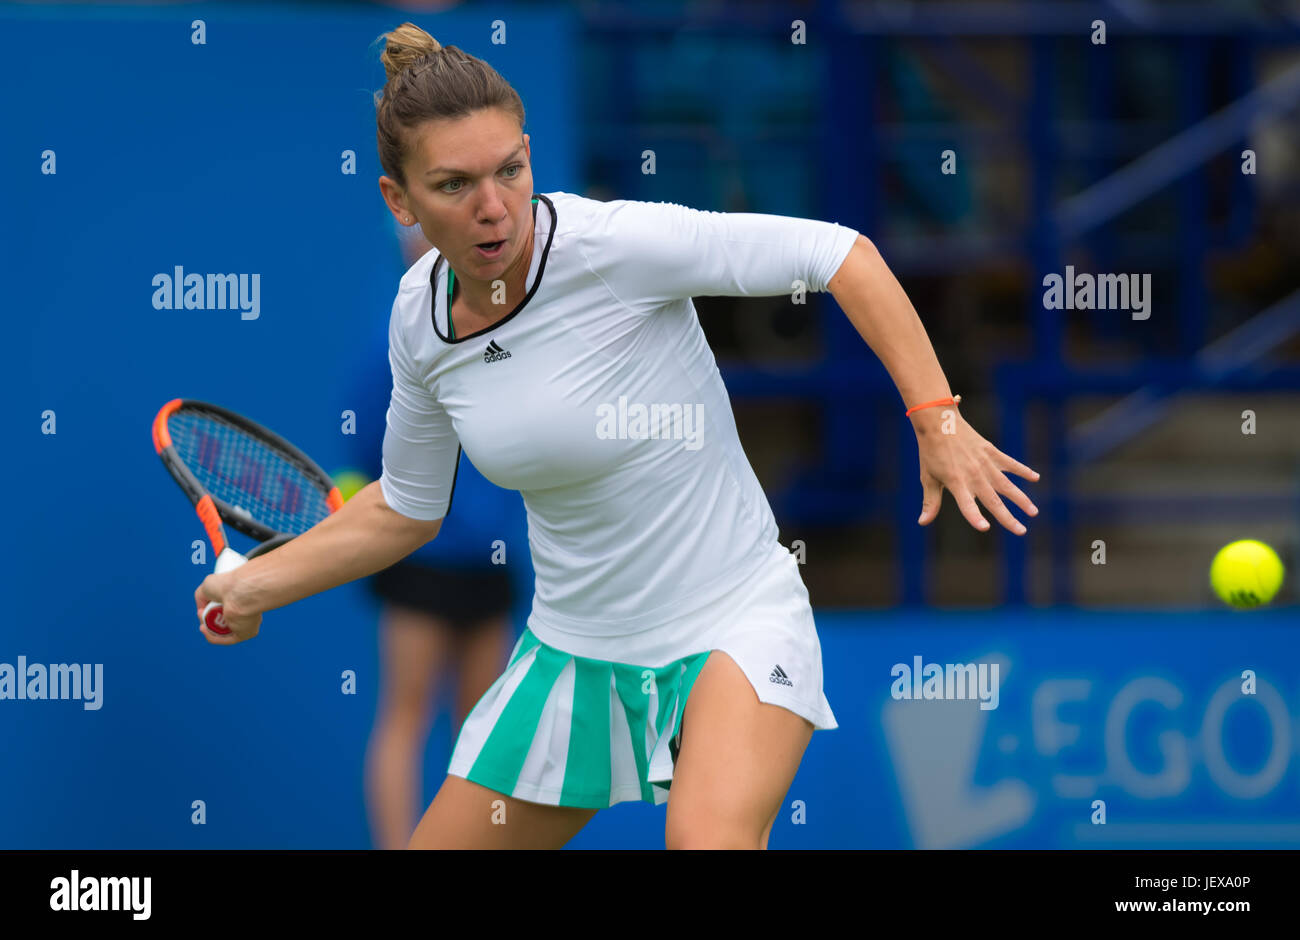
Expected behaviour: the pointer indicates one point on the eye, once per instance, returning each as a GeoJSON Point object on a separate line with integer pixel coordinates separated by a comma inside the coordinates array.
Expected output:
{"type": "Point", "coordinates": [515, 166]}
{"type": "Point", "coordinates": [444, 186]}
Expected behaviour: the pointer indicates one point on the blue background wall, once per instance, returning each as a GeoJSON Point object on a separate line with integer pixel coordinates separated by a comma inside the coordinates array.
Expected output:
{"type": "Point", "coordinates": [224, 157]}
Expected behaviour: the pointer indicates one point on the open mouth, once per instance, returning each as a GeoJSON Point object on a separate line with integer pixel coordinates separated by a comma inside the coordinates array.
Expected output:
{"type": "Point", "coordinates": [490, 249]}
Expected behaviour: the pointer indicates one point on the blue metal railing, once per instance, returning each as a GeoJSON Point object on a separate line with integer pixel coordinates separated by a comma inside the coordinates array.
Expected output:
{"type": "Point", "coordinates": [852, 152]}
{"type": "Point", "coordinates": [1177, 161]}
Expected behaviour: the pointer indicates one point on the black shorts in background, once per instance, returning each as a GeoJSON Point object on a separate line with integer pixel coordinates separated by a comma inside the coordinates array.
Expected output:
{"type": "Point", "coordinates": [463, 596]}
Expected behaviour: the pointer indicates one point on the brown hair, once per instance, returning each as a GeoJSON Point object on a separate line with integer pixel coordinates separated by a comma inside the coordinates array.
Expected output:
{"type": "Point", "coordinates": [428, 81]}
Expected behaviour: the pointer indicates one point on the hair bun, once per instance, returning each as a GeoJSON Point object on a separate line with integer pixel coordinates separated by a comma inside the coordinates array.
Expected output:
{"type": "Point", "coordinates": [405, 46]}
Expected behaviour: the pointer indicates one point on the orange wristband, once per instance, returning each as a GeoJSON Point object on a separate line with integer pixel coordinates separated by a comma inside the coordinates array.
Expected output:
{"type": "Point", "coordinates": [955, 400]}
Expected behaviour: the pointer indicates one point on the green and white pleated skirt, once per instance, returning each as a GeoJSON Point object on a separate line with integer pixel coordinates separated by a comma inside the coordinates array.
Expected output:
{"type": "Point", "coordinates": [573, 730]}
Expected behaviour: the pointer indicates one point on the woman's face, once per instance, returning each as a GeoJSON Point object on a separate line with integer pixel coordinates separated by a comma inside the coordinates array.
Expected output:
{"type": "Point", "coordinates": [469, 181]}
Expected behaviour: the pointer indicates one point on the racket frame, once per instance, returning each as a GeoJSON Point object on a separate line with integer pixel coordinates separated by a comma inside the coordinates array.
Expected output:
{"type": "Point", "coordinates": [213, 511]}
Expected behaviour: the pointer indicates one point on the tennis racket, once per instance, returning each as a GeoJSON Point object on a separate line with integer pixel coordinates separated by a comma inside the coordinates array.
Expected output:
{"type": "Point", "coordinates": [240, 474]}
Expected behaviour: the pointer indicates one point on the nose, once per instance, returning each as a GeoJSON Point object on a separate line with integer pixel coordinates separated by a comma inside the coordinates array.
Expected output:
{"type": "Point", "coordinates": [492, 208]}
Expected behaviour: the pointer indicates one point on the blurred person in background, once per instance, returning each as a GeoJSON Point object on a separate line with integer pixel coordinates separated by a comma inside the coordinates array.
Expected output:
{"type": "Point", "coordinates": [444, 609]}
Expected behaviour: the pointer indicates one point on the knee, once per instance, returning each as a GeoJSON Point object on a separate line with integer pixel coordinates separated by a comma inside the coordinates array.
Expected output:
{"type": "Point", "coordinates": [403, 715]}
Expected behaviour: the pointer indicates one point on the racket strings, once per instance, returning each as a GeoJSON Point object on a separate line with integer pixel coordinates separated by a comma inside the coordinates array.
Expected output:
{"type": "Point", "coordinates": [246, 473]}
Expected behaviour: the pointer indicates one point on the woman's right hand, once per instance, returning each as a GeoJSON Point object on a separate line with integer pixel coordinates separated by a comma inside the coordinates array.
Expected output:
{"type": "Point", "coordinates": [220, 588]}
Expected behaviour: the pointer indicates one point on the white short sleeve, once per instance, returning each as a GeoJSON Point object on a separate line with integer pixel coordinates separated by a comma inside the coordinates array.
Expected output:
{"type": "Point", "coordinates": [649, 253]}
{"type": "Point", "coordinates": [421, 450]}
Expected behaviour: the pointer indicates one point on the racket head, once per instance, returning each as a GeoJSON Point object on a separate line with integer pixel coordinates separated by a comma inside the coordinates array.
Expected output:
{"type": "Point", "coordinates": [238, 472]}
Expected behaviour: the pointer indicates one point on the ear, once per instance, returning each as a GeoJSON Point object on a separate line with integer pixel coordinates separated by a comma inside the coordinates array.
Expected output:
{"type": "Point", "coordinates": [395, 199]}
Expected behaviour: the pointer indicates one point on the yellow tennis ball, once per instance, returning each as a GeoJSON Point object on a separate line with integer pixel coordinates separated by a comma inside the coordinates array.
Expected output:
{"type": "Point", "coordinates": [1246, 573]}
{"type": "Point", "coordinates": [350, 482]}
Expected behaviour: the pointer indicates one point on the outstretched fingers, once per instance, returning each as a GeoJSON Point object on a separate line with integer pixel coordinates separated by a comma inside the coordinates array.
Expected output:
{"type": "Point", "coordinates": [966, 502]}
{"type": "Point", "coordinates": [1011, 465]}
{"type": "Point", "coordinates": [1015, 494]}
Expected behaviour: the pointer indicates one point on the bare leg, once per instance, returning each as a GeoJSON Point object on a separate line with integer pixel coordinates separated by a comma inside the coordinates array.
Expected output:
{"type": "Point", "coordinates": [413, 649]}
{"type": "Point", "coordinates": [481, 653]}
{"type": "Point", "coordinates": [465, 815]}
{"type": "Point", "coordinates": [735, 766]}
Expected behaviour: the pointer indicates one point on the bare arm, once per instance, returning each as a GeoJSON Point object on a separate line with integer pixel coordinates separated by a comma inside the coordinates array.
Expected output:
{"type": "Point", "coordinates": [878, 308]}
{"type": "Point", "coordinates": [363, 537]}
{"type": "Point", "coordinates": [952, 454]}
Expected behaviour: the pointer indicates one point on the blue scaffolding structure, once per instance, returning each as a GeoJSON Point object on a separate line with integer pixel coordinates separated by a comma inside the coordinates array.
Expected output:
{"type": "Point", "coordinates": [849, 153]}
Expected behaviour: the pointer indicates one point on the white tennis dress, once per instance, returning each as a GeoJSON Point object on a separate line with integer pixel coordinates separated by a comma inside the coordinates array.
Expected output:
{"type": "Point", "coordinates": [598, 398]}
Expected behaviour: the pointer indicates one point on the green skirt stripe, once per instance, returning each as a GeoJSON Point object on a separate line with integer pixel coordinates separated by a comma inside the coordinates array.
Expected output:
{"type": "Point", "coordinates": [586, 771]}
{"type": "Point", "coordinates": [501, 758]}
{"type": "Point", "coordinates": [642, 705]}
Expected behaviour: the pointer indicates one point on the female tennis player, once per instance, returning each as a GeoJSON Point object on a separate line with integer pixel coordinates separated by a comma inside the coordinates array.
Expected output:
{"type": "Point", "coordinates": [554, 339]}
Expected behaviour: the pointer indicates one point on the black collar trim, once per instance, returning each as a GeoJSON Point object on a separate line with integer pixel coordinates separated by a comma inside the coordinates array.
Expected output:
{"type": "Point", "coordinates": [541, 269]}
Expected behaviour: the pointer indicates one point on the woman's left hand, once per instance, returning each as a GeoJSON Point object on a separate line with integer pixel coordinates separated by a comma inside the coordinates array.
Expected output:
{"type": "Point", "coordinates": [971, 468]}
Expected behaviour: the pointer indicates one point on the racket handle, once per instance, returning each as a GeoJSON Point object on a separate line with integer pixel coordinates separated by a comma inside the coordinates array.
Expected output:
{"type": "Point", "coordinates": [213, 617]}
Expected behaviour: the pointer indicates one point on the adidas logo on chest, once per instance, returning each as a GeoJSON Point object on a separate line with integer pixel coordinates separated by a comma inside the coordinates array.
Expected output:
{"type": "Point", "coordinates": [494, 353]}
